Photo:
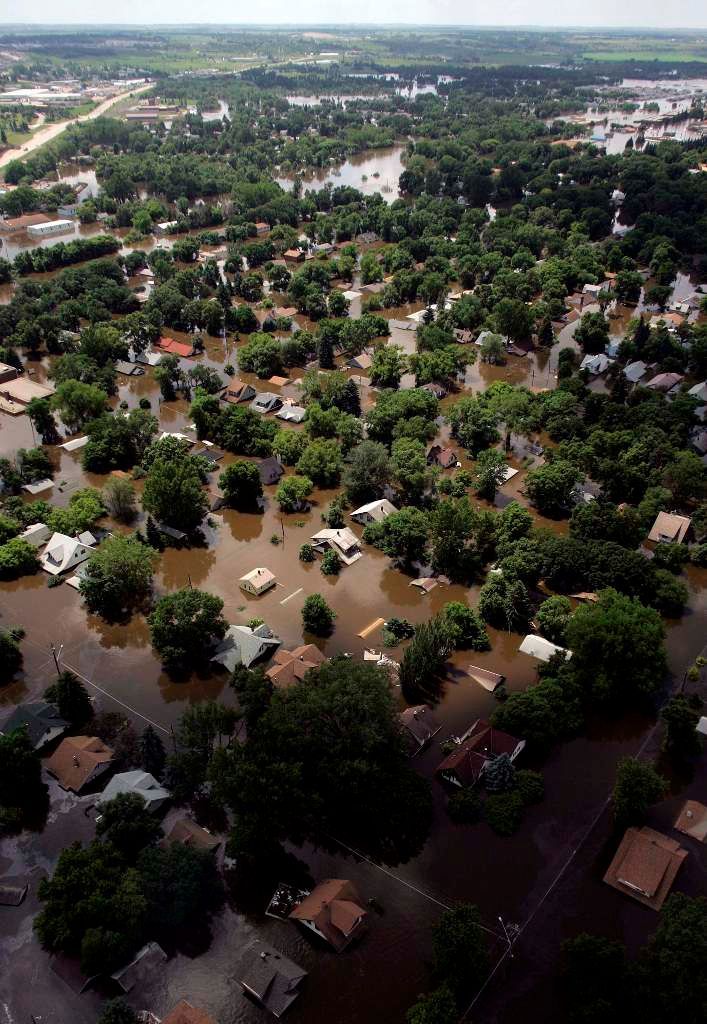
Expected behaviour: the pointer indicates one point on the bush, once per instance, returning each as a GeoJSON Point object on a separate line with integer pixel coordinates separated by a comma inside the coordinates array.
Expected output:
{"type": "Point", "coordinates": [306, 553]}
{"type": "Point", "coordinates": [503, 812]}
{"type": "Point", "coordinates": [317, 616]}
{"type": "Point", "coordinates": [530, 785]}
{"type": "Point", "coordinates": [17, 558]}
{"type": "Point", "coordinates": [331, 564]}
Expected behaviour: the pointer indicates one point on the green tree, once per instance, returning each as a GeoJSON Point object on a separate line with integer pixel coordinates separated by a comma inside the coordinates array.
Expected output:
{"type": "Point", "coordinates": [388, 366]}
{"type": "Point", "coordinates": [553, 617]}
{"type": "Point", "coordinates": [115, 1011]}
{"type": "Point", "coordinates": [680, 737]}
{"type": "Point", "coordinates": [241, 484]}
{"type": "Point", "coordinates": [671, 964]}
{"type": "Point", "coordinates": [22, 791]}
{"type": "Point", "coordinates": [504, 603]}
{"type": "Point", "coordinates": [437, 1007]}
{"type": "Point", "coordinates": [368, 470]}
{"type": "Point", "coordinates": [459, 951]}
{"type": "Point", "coordinates": [293, 492]}
{"type": "Point", "coordinates": [595, 981]}
{"type": "Point", "coordinates": [402, 535]}
{"type": "Point", "coordinates": [422, 667]}
{"type": "Point", "coordinates": [84, 508]}
{"type": "Point", "coordinates": [118, 577]}
{"type": "Point", "coordinates": [409, 464]}
{"type": "Point", "coordinates": [466, 628]}
{"type": "Point", "coordinates": [17, 558]}
{"type": "Point", "coordinates": [77, 403]}
{"type": "Point", "coordinates": [126, 823]}
{"type": "Point", "coordinates": [119, 498]}
{"type": "Point", "coordinates": [489, 473]}
{"type": "Point", "coordinates": [592, 334]}
{"type": "Point", "coordinates": [152, 753]}
{"type": "Point", "coordinates": [186, 625]}
{"type": "Point", "coordinates": [334, 744]}
{"type": "Point", "coordinates": [550, 487]}
{"type": "Point", "coordinates": [71, 698]}
{"type": "Point", "coordinates": [173, 493]}
{"type": "Point", "coordinates": [321, 462]}
{"type": "Point", "coordinates": [10, 653]}
{"type": "Point", "coordinates": [317, 616]}
{"type": "Point", "coordinates": [618, 648]}
{"type": "Point", "coordinates": [637, 787]}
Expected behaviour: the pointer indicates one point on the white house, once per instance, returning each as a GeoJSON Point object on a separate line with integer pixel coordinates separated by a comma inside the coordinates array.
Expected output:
{"type": "Point", "coordinates": [291, 413]}
{"type": "Point", "coordinates": [596, 364]}
{"type": "Point", "coordinates": [539, 647]}
{"type": "Point", "coordinates": [142, 783]}
{"type": "Point", "coordinates": [50, 227]}
{"type": "Point", "coordinates": [63, 553]}
{"type": "Point", "coordinates": [265, 402]}
{"type": "Point", "coordinates": [257, 581]}
{"type": "Point", "coordinates": [343, 541]}
{"type": "Point", "coordinates": [373, 512]}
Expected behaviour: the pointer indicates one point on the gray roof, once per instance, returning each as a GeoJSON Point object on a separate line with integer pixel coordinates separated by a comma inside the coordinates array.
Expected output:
{"type": "Point", "coordinates": [271, 977]}
{"type": "Point", "coordinates": [42, 721]}
{"type": "Point", "coordinates": [243, 645]}
{"type": "Point", "coordinates": [141, 968]}
{"type": "Point", "coordinates": [142, 783]}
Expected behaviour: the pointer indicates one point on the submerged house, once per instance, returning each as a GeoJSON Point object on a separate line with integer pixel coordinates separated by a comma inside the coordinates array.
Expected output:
{"type": "Point", "coordinates": [292, 666]}
{"type": "Point", "coordinates": [270, 978]}
{"type": "Point", "coordinates": [270, 470]}
{"type": "Point", "coordinates": [238, 391]}
{"type": "Point", "coordinates": [333, 911]}
{"type": "Point", "coordinates": [373, 512]}
{"type": "Point", "coordinates": [257, 581]}
{"type": "Point", "coordinates": [78, 761]}
{"type": "Point", "coordinates": [266, 402]}
{"type": "Point", "coordinates": [343, 541]}
{"type": "Point", "coordinates": [439, 456]}
{"type": "Point", "coordinates": [139, 782]}
{"type": "Point", "coordinates": [243, 645]}
{"type": "Point", "coordinates": [645, 866]}
{"type": "Point", "coordinates": [420, 726]}
{"type": "Point", "coordinates": [41, 720]}
{"type": "Point", "coordinates": [479, 745]}
{"type": "Point", "coordinates": [669, 528]}
{"type": "Point", "coordinates": [63, 553]}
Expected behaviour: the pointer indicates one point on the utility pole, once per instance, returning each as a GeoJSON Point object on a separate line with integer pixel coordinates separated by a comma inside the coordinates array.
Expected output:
{"type": "Point", "coordinates": [56, 654]}
{"type": "Point", "coordinates": [509, 932]}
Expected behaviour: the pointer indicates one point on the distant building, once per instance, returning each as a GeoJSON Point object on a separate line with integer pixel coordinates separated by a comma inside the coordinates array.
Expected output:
{"type": "Point", "coordinates": [22, 390]}
{"type": "Point", "coordinates": [669, 528]}
{"type": "Point", "coordinates": [50, 227]}
{"type": "Point", "coordinates": [7, 372]}
{"type": "Point", "coordinates": [174, 348]}
{"type": "Point", "coordinates": [373, 512]}
{"type": "Point", "coordinates": [14, 225]}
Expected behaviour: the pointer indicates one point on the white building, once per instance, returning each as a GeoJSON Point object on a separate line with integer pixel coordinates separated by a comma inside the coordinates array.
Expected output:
{"type": "Point", "coordinates": [257, 581]}
{"type": "Point", "coordinates": [142, 783]}
{"type": "Point", "coordinates": [373, 512]}
{"type": "Point", "coordinates": [51, 227]}
{"type": "Point", "coordinates": [63, 553]}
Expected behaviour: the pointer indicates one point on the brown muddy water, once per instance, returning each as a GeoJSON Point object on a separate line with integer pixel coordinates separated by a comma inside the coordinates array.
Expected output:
{"type": "Point", "coordinates": [376, 170]}
{"type": "Point", "coordinates": [379, 978]}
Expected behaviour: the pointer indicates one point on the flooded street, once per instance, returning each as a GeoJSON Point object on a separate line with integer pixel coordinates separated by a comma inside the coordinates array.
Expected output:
{"type": "Point", "coordinates": [372, 171]}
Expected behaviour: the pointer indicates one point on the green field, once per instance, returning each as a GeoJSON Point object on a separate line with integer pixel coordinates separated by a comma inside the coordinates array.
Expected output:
{"type": "Point", "coordinates": [670, 56]}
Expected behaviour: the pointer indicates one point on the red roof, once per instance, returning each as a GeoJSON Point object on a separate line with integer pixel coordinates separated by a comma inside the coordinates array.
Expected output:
{"type": "Point", "coordinates": [480, 744]}
{"type": "Point", "coordinates": [175, 348]}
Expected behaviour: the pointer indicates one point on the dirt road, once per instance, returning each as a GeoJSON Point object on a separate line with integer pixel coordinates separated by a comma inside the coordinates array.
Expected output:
{"type": "Point", "coordinates": [51, 131]}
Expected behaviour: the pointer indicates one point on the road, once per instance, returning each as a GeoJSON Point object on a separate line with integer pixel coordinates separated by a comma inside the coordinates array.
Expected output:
{"type": "Point", "coordinates": [51, 131]}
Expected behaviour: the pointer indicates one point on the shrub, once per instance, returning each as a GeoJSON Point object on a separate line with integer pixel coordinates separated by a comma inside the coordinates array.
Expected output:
{"type": "Point", "coordinates": [503, 812]}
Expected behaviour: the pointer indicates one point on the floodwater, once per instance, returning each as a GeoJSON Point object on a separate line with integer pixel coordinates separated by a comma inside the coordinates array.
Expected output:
{"type": "Point", "coordinates": [376, 170]}
{"type": "Point", "coordinates": [502, 876]}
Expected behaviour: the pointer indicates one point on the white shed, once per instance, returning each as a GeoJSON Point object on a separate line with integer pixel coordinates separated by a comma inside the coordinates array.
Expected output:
{"type": "Point", "coordinates": [257, 581]}
{"type": "Point", "coordinates": [538, 647]}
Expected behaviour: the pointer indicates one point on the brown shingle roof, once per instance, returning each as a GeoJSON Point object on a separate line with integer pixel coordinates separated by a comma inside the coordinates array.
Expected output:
{"type": "Point", "coordinates": [333, 909]}
{"type": "Point", "coordinates": [292, 666]}
{"type": "Point", "coordinates": [480, 744]}
{"type": "Point", "coordinates": [185, 1013]}
{"type": "Point", "coordinates": [77, 760]}
{"type": "Point", "coordinates": [645, 866]}
{"type": "Point", "coordinates": [188, 833]}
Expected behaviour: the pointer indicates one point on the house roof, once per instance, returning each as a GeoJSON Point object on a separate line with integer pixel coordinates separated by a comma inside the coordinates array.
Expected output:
{"type": "Point", "coordinates": [699, 391]}
{"type": "Point", "coordinates": [26, 220]}
{"type": "Point", "coordinates": [444, 457]}
{"type": "Point", "coordinates": [148, 960]}
{"type": "Point", "coordinates": [634, 371]}
{"type": "Point", "coordinates": [75, 760]}
{"type": "Point", "coordinates": [270, 467]}
{"type": "Point", "coordinates": [185, 1013]}
{"type": "Point", "coordinates": [344, 541]}
{"type": "Point", "coordinates": [420, 723]}
{"type": "Point", "coordinates": [292, 666]}
{"type": "Point", "coordinates": [480, 744]}
{"type": "Point", "coordinates": [23, 390]}
{"type": "Point", "coordinates": [271, 977]}
{"type": "Point", "coordinates": [62, 553]}
{"type": "Point", "coordinates": [664, 381]}
{"type": "Point", "coordinates": [291, 413]}
{"type": "Point", "coordinates": [259, 577]}
{"type": "Point", "coordinates": [645, 866]}
{"type": "Point", "coordinates": [377, 510]}
{"type": "Point", "coordinates": [175, 348]}
{"type": "Point", "coordinates": [188, 833]}
{"type": "Point", "coordinates": [266, 400]}
{"type": "Point", "coordinates": [238, 391]}
{"type": "Point", "coordinates": [539, 647]}
{"type": "Point", "coordinates": [484, 677]}
{"type": "Point", "coordinates": [692, 820]}
{"type": "Point", "coordinates": [669, 526]}
{"type": "Point", "coordinates": [243, 645]}
{"type": "Point", "coordinates": [142, 783]}
{"type": "Point", "coordinates": [42, 721]}
{"type": "Point", "coordinates": [333, 907]}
